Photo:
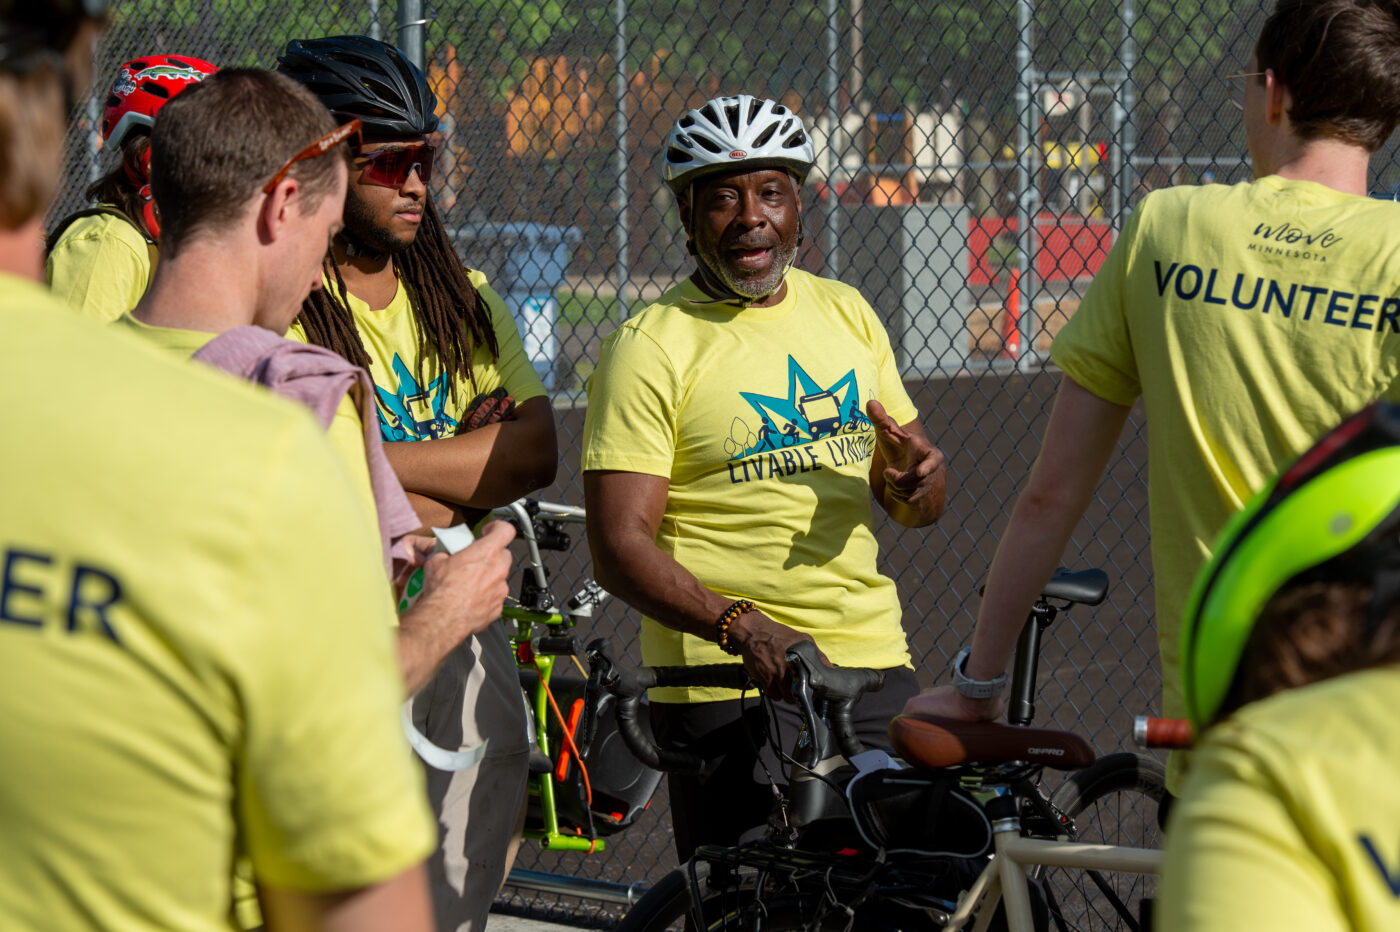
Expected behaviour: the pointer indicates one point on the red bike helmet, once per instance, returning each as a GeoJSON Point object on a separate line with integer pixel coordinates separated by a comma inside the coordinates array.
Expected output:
{"type": "Point", "coordinates": [142, 87]}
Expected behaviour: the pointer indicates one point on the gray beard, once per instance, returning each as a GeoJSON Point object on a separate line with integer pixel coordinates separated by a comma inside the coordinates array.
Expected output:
{"type": "Point", "coordinates": [751, 288]}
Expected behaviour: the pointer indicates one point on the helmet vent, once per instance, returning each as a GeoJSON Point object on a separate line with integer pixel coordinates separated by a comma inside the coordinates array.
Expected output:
{"type": "Point", "coordinates": [796, 141]}
{"type": "Point", "coordinates": [705, 142]}
{"type": "Point", "coordinates": [763, 137]}
{"type": "Point", "coordinates": [731, 113]}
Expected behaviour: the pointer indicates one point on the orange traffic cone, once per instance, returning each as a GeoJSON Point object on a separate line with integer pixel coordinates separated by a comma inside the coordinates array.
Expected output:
{"type": "Point", "coordinates": [1011, 320]}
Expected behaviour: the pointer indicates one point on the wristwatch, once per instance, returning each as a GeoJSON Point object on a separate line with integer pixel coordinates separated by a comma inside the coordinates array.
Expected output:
{"type": "Point", "coordinates": [975, 689]}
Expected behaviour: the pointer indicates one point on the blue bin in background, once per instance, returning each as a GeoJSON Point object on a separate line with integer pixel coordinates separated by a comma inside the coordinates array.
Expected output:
{"type": "Point", "coordinates": [526, 262]}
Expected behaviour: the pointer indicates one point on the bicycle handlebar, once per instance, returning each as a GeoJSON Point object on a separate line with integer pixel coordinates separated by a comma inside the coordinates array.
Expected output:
{"type": "Point", "coordinates": [629, 684]}
{"type": "Point", "coordinates": [837, 688]}
{"type": "Point", "coordinates": [1170, 733]}
{"type": "Point", "coordinates": [822, 692]}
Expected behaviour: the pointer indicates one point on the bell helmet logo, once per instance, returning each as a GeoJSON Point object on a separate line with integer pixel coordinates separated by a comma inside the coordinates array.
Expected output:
{"type": "Point", "coordinates": [738, 154]}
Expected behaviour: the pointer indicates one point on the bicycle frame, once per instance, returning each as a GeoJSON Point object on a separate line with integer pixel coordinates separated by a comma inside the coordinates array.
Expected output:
{"type": "Point", "coordinates": [1004, 877]}
{"type": "Point", "coordinates": [539, 607]}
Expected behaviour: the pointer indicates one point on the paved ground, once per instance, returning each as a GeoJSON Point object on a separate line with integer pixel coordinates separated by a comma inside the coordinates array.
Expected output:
{"type": "Point", "coordinates": [500, 923]}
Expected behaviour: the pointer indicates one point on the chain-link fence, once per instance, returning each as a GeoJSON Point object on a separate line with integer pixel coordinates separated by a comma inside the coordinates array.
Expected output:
{"type": "Point", "coordinates": [974, 163]}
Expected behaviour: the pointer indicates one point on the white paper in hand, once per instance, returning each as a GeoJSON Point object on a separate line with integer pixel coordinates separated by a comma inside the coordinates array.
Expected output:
{"type": "Point", "coordinates": [449, 540]}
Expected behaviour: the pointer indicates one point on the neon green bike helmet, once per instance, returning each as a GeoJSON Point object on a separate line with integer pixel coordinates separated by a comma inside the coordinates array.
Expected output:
{"type": "Point", "coordinates": [1333, 515]}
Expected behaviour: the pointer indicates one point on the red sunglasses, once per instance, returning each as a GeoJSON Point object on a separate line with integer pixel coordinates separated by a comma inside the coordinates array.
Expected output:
{"type": "Point", "coordinates": [390, 168]}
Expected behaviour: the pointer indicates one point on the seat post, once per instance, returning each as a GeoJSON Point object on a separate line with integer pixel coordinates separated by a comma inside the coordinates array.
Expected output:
{"type": "Point", "coordinates": [1021, 706]}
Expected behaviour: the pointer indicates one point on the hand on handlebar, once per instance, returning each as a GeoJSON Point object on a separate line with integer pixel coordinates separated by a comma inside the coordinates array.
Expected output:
{"type": "Point", "coordinates": [763, 645]}
{"type": "Point", "coordinates": [947, 702]}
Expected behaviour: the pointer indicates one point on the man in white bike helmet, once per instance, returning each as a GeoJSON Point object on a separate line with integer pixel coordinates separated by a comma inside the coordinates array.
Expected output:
{"type": "Point", "coordinates": [736, 430]}
{"type": "Point", "coordinates": [746, 134]}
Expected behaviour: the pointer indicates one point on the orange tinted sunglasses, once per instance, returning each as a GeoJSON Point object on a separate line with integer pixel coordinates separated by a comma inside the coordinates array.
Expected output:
{"type": "Point", "coordinates": [321, 146]}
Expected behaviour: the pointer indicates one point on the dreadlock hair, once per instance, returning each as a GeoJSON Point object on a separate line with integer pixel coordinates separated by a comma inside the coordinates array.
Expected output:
{"type": "Point", "coordinates": [440, 294]}
{"type": "Point", "coordinates": [116, 187]}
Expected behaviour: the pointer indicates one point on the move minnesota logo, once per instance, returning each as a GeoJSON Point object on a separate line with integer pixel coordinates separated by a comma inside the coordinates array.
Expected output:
{"type": "Point", "coordinates": [1292, 242]}
{"type": "Point", "coordinates": [812, 427]}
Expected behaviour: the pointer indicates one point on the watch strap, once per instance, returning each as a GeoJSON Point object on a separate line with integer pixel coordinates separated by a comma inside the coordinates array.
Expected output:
{"type": "Point", "coordinates": [975, 689]}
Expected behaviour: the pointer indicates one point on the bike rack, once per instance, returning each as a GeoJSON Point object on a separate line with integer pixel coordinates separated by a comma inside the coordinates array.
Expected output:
{"type": "Point", "coordinates": [583, 888]}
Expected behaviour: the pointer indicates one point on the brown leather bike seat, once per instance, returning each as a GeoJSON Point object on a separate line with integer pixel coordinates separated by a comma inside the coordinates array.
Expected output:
{"type": "Point", "coordinates": [926, 741]}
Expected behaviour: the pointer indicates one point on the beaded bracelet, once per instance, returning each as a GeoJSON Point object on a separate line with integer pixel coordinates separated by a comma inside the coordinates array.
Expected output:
{"type": "Point", "coordinates": [741, 607]}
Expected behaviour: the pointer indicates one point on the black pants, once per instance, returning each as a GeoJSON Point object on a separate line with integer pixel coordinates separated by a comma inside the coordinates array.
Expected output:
{"type": "Point", "coordinates": [733, 794]}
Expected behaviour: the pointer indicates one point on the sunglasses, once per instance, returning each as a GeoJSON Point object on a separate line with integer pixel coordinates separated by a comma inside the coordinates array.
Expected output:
{"type": "Point", "coordinates": [390, 168]}
{"type": "Point", "coordinates": [320, 147]}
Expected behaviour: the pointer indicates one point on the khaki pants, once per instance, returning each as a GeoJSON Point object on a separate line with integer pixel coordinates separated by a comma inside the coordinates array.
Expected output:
{"type": "Point", "coordinates": [475, 696]}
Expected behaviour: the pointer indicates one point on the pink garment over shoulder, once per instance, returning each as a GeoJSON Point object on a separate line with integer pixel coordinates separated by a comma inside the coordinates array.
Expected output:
{"type": "Point", "coordinates": [319, 378]}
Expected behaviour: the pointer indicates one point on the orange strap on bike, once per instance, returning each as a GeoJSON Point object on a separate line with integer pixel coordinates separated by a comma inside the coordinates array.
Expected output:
{"type": "Point", "coordinates": [568, 736]}
{"type": "Point", "coordinates": [561, 770]}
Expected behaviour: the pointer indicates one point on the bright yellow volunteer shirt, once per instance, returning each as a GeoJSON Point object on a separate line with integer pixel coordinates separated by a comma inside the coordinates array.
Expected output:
{"type": "Point", "coordinates": [100, 266]}
{"type": "Point", "coordinates": [345, 433]}
{"type": "Point", "coordinates": [756, 417]}
{"type": "Point", "coordinates": [195, 643]}
{"type": "Point", "coordinates": [1289, 818]}
{"type": "Point", "coordinates": [1251, 319]}
{"type": "Point", "coordinates": [428, 410]}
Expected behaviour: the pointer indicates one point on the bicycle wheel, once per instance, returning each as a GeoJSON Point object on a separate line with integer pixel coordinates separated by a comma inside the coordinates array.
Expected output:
{"type": "Point", "coordinates": [1114, 802]}
{"type": "Point", "coordinates": [662, 907]}
{"type": "Point", "coordinates": [741, 908]}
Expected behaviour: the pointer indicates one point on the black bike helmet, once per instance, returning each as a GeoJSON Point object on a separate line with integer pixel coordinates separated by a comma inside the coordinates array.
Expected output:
{"type": "Point", "coordinates": [360, 77]}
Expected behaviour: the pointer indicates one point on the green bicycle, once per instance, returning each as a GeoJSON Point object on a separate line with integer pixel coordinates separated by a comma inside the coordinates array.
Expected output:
{"type": "Point", "coordinates": [584, 784]}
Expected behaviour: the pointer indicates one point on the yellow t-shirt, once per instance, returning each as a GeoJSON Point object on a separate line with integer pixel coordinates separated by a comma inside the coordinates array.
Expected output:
{"type": "Point", "coordinates": [100, 266]}
{"type": "Point", "coordinates": [1251, 319]}
{"type": "Point", "coordinates": [1289, 818]}
{"type": "Point", "coordinates": [409, 410]}
{"type": "Point", "coordinates": [195, 646]}
{"type": "Point", "coordinates": [345, 433]}
{"type": "Point", "coordinates": [756, 417]}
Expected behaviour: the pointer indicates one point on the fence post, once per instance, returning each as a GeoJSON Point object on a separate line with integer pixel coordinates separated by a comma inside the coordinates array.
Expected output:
{"type": "Point", "coordinates": [1128, 56]}
{"type": "Point", "coordinates": [832, 259]}
{"type": "Point", "coordinates": [1026, 197]}
{"type": "Point", "coordinates": [620, 53]}
{"type": "Point", "coordinates": [411, 33]}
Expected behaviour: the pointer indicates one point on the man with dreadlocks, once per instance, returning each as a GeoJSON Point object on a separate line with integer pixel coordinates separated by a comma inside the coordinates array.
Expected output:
{"type": "Point", "coordinates": [464, 419]}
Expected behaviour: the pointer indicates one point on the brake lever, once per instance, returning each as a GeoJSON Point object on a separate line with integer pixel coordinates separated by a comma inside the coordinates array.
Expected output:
{"type": "Point", "coordinates": [815, 737]}
{"type": "Point", "coordinates": [600, 662]}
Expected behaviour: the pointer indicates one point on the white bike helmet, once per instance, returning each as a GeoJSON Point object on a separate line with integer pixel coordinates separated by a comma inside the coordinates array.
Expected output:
{"type": "Point", "coordinates": [733, 131]}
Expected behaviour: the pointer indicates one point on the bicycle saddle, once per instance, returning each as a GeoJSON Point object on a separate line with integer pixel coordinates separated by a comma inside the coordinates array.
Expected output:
{"type": "Point", "coordinates": [1087, 587]}
{"type": "Point", "coordinates": [926, 741]}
